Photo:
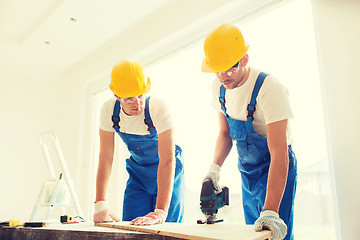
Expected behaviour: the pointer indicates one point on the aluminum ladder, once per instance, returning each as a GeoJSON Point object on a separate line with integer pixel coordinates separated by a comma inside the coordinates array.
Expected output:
{"type": "Point", "coordinates": [53, 189]}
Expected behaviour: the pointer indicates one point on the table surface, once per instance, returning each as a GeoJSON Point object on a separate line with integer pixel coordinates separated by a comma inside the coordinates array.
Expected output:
{"type": "Point", "coordinates": [122, 230]}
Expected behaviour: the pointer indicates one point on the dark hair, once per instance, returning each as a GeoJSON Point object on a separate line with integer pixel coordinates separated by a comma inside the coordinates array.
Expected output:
{"type": "Point", "coordinates": [236, 65]}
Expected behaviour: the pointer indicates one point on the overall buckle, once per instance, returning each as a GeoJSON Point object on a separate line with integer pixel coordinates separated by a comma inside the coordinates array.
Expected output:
{"type": "Point", "coordinates": [222, 102]}
{"type": "Point", "coordinates": [251, 109]}
{"type": "Point", "coordinates": [115, 120]}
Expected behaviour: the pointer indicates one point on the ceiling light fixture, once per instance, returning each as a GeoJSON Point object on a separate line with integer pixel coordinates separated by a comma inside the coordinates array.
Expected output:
{"type": "Point", "coordinates": [73, 19]}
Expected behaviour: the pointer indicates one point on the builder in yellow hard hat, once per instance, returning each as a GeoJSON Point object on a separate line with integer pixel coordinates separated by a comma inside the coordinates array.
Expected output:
{"type": "Point", "coordinates": [155, 188]}
{"type": "Point", "coordinates": [253, 111]}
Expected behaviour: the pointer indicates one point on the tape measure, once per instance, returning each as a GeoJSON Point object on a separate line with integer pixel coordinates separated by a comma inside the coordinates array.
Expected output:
{"type": "Point", "coordinates": [65, 219]}
{"type": "Point", "coordinates": [68, 219]}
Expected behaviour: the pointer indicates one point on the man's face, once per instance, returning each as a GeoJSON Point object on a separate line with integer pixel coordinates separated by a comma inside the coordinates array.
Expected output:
{"type": "Point", "coordinates": [235, 76]}
{"type": "Point", "coordinates": [133, 105]}
{"type": "Point", "coordinates": [230, 78]}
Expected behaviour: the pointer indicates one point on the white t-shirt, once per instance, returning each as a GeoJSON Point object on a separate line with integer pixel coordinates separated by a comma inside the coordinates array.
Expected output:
{"type": "Point", "coordinates": [159, 114]}
{"type": "Point", "coordinates": [272, 102]}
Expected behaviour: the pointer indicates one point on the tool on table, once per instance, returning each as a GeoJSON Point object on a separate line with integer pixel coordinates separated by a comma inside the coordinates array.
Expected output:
{"type": "Point", "coordinates": [19, 223]}
{"type": "Point", "coordinates": [67, 219]}
{"type": "Point", "coordinates": [210, 202]}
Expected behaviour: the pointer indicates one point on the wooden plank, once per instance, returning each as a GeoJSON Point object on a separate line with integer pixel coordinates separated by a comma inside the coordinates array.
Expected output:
{"type": "Point", "coordinates": [196, 231]}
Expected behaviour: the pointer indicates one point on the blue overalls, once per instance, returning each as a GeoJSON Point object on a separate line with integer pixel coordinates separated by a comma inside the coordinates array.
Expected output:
{"type": "Point", "coordinates": [254, 162]}
{"type": "Point", "coordinates": [141, 187]}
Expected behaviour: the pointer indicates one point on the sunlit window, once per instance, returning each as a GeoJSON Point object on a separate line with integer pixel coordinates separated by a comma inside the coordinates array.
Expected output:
{"type": "Point", "coordinates": [282, 43]}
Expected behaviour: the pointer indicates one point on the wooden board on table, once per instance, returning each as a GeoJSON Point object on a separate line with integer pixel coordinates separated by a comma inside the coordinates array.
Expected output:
{"type": "Point", "coordinates": [196, 231]}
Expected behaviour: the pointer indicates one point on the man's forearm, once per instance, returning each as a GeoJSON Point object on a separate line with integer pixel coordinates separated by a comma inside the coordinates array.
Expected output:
{"type": "Point", "coordinates": [102, 179]}
{"type": "Point", "coordinates": [276, 183]}
{"type": "Point", "coordinates": [165, 180]}
{"type": "Point", "coordinates": [222, 148]}
{"type": "Point", "coordinates": [166, 169]}
{"type": "Point", "coordinates": [279, 164]}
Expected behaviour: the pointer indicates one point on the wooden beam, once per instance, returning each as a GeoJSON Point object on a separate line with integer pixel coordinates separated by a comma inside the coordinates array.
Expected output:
{"type": "Point", "coordinates": [195, 231]}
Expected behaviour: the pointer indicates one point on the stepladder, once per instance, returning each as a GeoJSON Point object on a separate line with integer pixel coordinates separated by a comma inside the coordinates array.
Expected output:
{"type": "Point", "coordinates": [58, 190]}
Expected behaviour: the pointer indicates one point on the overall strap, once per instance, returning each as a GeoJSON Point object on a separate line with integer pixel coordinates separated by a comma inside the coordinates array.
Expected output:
{"type": "Point", "coordinates": [222, 99]}
{"type": "Point", "coordinates": [115, 117]}
{"type": "Point", "coordinates": [147, 119]}
{"type": "Point", "coordinates": [251, 107]}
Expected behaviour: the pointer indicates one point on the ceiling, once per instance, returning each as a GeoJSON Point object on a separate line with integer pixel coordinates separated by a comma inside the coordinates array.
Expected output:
{"type": "Point", "coordinates": [34, 33]}
{"type": "Point", "coordinates": [48, 37]}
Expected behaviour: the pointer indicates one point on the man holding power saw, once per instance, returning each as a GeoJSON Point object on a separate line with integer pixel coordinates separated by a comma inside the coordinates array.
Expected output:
{"type": "Point", "coordinates": [253, 111]}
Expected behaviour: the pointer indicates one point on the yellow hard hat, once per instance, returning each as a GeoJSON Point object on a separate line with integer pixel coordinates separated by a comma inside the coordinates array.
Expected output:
{"type": "Point", "coordinates": [128, 80]}
{"type": "Point", "coordinates": [223, 48]}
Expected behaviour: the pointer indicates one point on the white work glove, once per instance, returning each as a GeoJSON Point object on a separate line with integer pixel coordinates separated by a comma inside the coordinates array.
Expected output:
{"type": "Point", "coordinates": [214, 175]}
{"type": "Point", "coordinates": [156, 217]}
{"type": "Point", "coordinates": [103, 213]}
{"type": "Point", "coordinates": [269, 220]}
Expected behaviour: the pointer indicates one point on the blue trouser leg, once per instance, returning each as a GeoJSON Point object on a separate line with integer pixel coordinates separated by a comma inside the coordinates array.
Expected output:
{"type": "Point", "coordinates": [176, 209]}
{"type": "Point", "coordinates": [137, 203]}
{"type": "Point", "coordinates": [254, 198]}
{"type": "Point", "coordinates": [286, 211]}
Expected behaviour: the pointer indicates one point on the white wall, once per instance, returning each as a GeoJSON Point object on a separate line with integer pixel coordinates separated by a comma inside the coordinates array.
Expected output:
{"type": "Point", "coordinates": [28, 107]}
{"type": "Point", "coordinates": [338, 44]}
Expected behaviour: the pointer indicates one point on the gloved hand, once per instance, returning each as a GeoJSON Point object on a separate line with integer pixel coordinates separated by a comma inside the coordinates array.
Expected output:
{"type": "Point", "coordinates": [270, 220]}
{"type": "Point", "coordinates": [103, 213]}
{"type": "Point", "coordinates": [214, 175]}
{"type": "Point", "coordinates": [156, 217]}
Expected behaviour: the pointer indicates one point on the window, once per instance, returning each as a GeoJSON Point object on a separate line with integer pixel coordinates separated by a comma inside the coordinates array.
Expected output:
{"type": "Point", "coordinates": [282, 43]}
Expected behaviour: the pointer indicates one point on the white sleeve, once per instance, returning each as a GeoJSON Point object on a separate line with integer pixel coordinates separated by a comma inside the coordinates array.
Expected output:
{"type": "Point", "coordinates": [274, 103]}
{"type": "Point", "coordinates": [106, 114]}
{"type": "Point", "coordinates": [160, 115]}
